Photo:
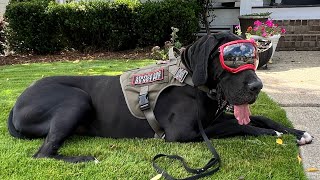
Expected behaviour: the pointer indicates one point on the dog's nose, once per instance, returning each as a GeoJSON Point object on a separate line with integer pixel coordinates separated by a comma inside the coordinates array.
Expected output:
{"type": "Point", "coordinates": [255, 86]}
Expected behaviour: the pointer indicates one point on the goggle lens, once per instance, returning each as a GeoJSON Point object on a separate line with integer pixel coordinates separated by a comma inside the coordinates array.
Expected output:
{"type": "Point", "coordinates": [238, 55]}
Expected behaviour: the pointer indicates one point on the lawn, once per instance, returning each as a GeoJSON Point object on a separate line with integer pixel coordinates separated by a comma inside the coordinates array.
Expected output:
{"type": "Point", "coordinates": [242, 157]}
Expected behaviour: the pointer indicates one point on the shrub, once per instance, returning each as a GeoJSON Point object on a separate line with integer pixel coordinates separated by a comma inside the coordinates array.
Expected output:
{"type": "Point", "coordinates": [2, 38]}
{"type": "Point", "coordinates": [130, 3]}
{"type": "Point", "coordinates": [95, 25]}
{"type": "Point", "coordinates": [155, 20]}
{"type": "Point", "coordinates": [43, 26]}
{"type": "Point", "coordinates": [30, 29]}
{"type": "Point", "coordinates": [42, 1]}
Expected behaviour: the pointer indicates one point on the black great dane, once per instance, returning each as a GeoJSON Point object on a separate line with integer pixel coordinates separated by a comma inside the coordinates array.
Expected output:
{"type": "Point", "coordinates": [58, 107]}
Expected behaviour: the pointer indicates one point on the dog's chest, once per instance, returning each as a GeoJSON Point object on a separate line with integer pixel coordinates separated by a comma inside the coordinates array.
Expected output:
{"type": "Point", "coordinates": [151, 80]}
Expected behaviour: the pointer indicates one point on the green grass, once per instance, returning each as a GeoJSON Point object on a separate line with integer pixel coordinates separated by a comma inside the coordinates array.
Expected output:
{"type": "Point", "coordinates": [248, 157]}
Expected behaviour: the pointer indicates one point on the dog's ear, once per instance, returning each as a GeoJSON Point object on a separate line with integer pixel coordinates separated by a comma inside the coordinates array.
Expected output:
{"type": "Point", "coordinates": [198, 55]}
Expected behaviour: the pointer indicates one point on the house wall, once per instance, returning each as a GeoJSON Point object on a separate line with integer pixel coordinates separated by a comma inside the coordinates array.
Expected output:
{"type": "Point", "coordinates": [301, 22]}
{"type": "Point", "coordinates": [302, 25]}
{"type": "Point", "coordinates": [3, 4]}
{"type": "Point", "coordinates": [291, 13]}
{"type": "Point", "coordinates": [301, 35]}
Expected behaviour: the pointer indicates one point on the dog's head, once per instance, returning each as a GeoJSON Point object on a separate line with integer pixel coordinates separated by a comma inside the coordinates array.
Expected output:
{"type": "Point", "coordinates": [203, 60]}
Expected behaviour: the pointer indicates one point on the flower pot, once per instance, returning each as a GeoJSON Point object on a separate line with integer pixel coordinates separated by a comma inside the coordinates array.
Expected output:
{"type": "Point", "coordinates": [264, 56]}
{"type": "Point", "coordinates": [274, 39]}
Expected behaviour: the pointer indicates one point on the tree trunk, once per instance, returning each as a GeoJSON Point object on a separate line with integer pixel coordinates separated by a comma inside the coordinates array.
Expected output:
{"type": "Point", "coordinates": [204, 14]}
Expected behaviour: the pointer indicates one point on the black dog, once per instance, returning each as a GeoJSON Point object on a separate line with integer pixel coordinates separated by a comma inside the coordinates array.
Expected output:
{"type": "Point", "coordinates": [58, 107]}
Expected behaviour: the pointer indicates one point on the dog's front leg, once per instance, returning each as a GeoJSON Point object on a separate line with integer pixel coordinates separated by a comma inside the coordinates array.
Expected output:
{"type": "Point", "coordinates": [229, 127]}
{"type": "Point", "coordinates": [303, 137]}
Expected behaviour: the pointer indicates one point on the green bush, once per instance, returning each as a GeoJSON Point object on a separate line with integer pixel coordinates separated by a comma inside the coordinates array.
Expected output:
{"type": "Point", "coordinates": [155, 20]}
{"type": "Point", "coordinates": [42, 26]}
{"type": "Point", "coordinates": [2, 38]}
{"type": "Point", "coordinates": [94, 25]}
{"type": "Point", "coordinates": [30, 28]}
{"type": "Point", "coordinates": [18, 1]}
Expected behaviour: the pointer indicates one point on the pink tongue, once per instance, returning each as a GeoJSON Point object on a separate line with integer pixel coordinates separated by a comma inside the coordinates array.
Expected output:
{"type": "Point", "coordinates": [242, 113]}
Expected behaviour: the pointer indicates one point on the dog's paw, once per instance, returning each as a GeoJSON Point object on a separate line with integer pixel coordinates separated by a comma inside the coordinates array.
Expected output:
{"type": "Point", "coordinates": [96, 161]}
{"type": "Point", "coordinates": [279, 134]}
{"type": "Point", "coordinates": [305, 139]}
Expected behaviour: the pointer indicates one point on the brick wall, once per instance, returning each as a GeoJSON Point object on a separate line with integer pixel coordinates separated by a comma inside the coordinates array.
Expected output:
{"type": "Point", "coordinates": [301, 35]}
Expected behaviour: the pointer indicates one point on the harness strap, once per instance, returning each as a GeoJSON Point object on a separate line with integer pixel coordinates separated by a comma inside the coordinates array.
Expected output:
{"type": "Point", "coordinates": [171, 55]}
{"type": "Point", "coordinates": [180, 73]}
{"type": "Point", "coordinates": [148, 112]}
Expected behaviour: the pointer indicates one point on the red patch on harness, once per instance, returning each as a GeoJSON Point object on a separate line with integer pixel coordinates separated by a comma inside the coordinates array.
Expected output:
{"type": "Point", "coordinates": [148, 77]}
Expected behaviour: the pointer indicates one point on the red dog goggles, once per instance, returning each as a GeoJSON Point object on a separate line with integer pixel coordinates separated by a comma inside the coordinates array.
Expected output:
{"type": "Point", "coordinates": [239, 55]}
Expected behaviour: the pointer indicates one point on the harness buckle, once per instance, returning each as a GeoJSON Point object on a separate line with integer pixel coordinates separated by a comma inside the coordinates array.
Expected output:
{"type": "Point", "coordinates": [181, 74]}
{"type": "Point", "coordinates": [144, 102]}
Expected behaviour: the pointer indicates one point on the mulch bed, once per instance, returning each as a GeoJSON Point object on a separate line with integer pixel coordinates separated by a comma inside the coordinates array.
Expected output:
{"type": "Point", "coordinates": [74, 55]}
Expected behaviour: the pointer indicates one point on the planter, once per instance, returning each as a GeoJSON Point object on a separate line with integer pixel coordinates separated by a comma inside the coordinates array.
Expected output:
{"type": "Point", "coordinates": [264, 56]}
{"type": "Point", "coordinates": [248, 20]}
{"type": "Point", "coordinates": [274, 39]}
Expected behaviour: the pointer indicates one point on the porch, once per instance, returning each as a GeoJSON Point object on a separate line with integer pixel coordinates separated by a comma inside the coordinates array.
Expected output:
{"type": "Point", "coordinates": [301, 21]}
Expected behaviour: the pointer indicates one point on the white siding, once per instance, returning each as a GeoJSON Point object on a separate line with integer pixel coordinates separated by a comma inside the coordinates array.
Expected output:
{"type": "Point", "coordinates": [291, 13]}
{"type": "Point", "coordinates": [3, 4]}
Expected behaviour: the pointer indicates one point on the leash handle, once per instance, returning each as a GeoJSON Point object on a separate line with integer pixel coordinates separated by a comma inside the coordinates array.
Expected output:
{"type": "Point", "coordinates": [215, 161]}
{"type": "Point", "coordinates": [201, 172]}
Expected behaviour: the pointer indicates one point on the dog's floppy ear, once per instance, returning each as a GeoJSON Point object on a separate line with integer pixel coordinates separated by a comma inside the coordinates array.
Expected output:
{"type": "Point", "coordinates": [198, 56]}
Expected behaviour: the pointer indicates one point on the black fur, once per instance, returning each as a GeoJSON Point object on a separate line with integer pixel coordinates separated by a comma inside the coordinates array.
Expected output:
{"type": "Point", "coordinates": [58, 107]}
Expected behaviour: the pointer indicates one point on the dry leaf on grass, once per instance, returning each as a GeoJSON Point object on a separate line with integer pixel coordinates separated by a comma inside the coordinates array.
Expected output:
{"type": "Point", "coordinates": [299, 159]}
{"type": "Point", "coordinates": [279, 141]}
{"type": "Point", "coordinates": [158, 176]}
{"type": "Point", "coordinates": [312, 169]}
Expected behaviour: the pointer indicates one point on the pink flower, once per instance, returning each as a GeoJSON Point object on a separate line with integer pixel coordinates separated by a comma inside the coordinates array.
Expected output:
{"type": "Point", "coordinates": [252, 40]}
{"type": "Point", "coordinates": [269, 23]}
{"type": "Point", "coordinates": [257, 23]}
{"type": "Point", "coordinates": [264, 34]}
{"type": "Point", "coordinates": [266, 29]}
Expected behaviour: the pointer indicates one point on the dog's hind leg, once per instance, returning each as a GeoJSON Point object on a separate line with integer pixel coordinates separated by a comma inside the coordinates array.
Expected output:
{"type": "Point", "coordinates": [65, 119]}
{"type": "Point", "coordinates": [302, 136]}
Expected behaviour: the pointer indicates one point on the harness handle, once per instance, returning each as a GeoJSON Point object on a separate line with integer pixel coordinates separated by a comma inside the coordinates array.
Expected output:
{"type": "Point", "coordinates": [171, 55]}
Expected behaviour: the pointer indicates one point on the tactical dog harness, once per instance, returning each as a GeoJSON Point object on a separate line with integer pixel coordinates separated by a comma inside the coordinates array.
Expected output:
{"type": "Point", "coordinates": [142, 87]}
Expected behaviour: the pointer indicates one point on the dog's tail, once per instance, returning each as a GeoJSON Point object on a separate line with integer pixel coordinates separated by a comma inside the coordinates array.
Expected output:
{"type": "Point", "coordinates": [12, 129]}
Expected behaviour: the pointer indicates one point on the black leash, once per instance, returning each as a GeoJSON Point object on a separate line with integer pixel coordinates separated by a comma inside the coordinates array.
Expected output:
{"type": "Point", "coordinates": [214, 162]}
